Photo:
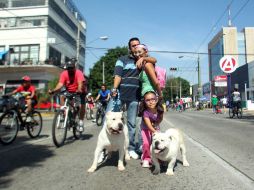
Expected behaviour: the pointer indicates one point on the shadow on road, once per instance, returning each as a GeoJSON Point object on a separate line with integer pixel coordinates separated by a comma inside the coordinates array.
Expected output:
{"type": "Point", "coordinates": [21, 160]}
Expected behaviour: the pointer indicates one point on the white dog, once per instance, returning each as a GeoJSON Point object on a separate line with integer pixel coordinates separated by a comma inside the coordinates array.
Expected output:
{"type": "Point", "coordinates": [113, 137]}
{"type": "Point", "coordinates": [165, 147]}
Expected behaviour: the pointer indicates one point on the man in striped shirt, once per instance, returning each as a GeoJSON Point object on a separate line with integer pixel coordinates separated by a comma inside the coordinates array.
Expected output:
{"type": "Point", "coordinates": [126, 80]}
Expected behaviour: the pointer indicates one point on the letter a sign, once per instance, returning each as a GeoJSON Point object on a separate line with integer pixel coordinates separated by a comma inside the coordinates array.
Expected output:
{"type": "Point", "coordinates": [228, 64]}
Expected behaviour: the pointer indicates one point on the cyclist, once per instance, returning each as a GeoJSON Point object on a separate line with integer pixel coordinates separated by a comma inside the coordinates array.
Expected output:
{"type": "Point", "coordinates": [236, 99]}
{"type": "Point", "coordinates": [103, 96]}
{"type": "Point", "coordinates": [28, 90]}
{"type": "Point", "coordinates": [90, 103]}
{"type": "Point", "coordinates": [73, 80]}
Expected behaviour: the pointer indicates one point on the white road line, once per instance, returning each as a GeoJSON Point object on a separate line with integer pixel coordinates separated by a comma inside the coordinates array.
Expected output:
{"type": "Point", "coordinates": [219, 118]}
{"type": "Point", "coordinates": [247, 180]}
{"type": "Point", "coordinates": [30, 143]}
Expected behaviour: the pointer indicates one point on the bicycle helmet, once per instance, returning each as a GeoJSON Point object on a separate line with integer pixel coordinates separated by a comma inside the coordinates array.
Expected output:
{"type": "Point", "coordinates": [71, 64]}
{"type": "Point", "coordinates": [26, 78]}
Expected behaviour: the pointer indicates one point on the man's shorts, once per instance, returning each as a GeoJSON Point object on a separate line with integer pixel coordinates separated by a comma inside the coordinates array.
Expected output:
{"type": "Point", "coordinates": [83, 99]}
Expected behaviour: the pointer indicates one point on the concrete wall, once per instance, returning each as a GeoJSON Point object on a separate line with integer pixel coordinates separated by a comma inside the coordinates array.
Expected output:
{"type": "Point", "coordinates": [249, 37]}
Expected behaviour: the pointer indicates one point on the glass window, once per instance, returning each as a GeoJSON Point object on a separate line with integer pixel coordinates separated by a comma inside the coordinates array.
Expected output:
{"type": "Point", "coordinates": [25, 55]}
{"type": "Point", "coordinates": [24, 48]}
{"type": "Point", "coordinates": [3, 3]}
{"type": "Point", "coordinates": [25, 3]}
{"type": "Point", "coordinates": [2, 48]}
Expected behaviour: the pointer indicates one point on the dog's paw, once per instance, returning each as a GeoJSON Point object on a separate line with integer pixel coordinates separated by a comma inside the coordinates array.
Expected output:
{"type": "Point", "coordinates": [156, 171]}
{"type": "Point", "coordinates": [121, 168]}
{"type": "Point", "coordinates": [127, 157]}
{"type": "Point", "coordinates": [91, 170]}
{"type": "Point", "coordinates": [170, 173]}
{"type": "Point", "coordinates": [186, 164]}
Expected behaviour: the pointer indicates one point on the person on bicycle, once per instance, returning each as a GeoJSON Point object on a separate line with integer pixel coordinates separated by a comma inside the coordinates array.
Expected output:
{"type": "Point", "coordinates": [73, 80]}
{"type": "Point", "coordinates": [90, 103]}
{"type": "Point", "coordinates": [236, 99]}
{"type": "Point", "coordinates": [103, 96]}
{"type": "Point", "coordinates": [28, 91]}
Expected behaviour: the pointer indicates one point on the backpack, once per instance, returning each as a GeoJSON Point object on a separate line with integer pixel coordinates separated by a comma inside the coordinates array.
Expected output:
{"type": "Point", "coordinates": [161, 76]}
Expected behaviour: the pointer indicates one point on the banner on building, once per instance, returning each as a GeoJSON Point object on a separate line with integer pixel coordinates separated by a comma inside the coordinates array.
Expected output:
{"type": "Point", "coordinates": [220, 81]}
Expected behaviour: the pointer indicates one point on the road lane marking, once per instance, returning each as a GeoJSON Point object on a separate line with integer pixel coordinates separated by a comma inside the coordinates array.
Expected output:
{"type": "Point", "coordinates": [246, 179]}
{"type": "Point", "coordinates": [8, 149]}
{"type": "Point", "coordinates": [219, 118]}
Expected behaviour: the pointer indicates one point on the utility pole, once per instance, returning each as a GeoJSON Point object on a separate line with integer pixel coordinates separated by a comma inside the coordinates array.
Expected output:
{"type": "Point", "coordinates": [78, 43]}
{"type": "Point", "coordinates": [103, 72]}
{"type": "Point", "coordinates": [199, 78]}
{"type": "Point", "coordinates": [171, 91]}
{"type": "Point", "coordinates": [180, 88]}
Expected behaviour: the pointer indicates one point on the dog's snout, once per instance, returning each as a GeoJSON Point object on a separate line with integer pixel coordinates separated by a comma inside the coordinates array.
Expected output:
{"type": "Point", "coordinates": [157, 144]}
{"type": "Point", "coordinates": [120, 125]}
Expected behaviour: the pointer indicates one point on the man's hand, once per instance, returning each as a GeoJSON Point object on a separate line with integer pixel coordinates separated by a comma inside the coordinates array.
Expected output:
{"type": "Point", "coordinates": [113, 92]}
{"type": "Point", "coordinates": [50, 91]}
{"type": "Point", "coordinates": [139, 63]}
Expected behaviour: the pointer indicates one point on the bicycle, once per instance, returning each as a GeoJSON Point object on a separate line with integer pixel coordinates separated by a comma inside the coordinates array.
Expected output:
{"type": "Point", "coordinates": [234, 110]}
{"type": "Point", "coordinates": [100, 113]}
{"type": "Point", "coordinates": [14, 119]}
{"type": "Point", "coordinates": [89, 112]}
{"type": "Point", "coordinates": [66, 118]}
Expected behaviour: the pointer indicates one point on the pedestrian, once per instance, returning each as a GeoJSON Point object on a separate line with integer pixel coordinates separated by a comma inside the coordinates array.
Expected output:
{"type": "Point", "coordinates": [147, 75]}
{"type": "Point", "coordinates": [127, 84]}
{"type": "Point", "coordinates": [224, 102]}
{"type": "Point", "coordinates": [152, 113]}
{"type": "Point", "coordinates": [214, 103]}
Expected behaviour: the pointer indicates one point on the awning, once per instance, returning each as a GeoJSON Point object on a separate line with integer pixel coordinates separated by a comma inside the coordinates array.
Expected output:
{"type": "Point", "coordinates": [2, 53]}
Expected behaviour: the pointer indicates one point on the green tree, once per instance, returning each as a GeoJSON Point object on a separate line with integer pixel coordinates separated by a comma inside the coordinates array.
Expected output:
{"type": "Point", "coordinates": [43, 96]}
{"type": "Point", "coordinates": [172, 89]}
{"type": "Point", "coordinates": [110, 58]}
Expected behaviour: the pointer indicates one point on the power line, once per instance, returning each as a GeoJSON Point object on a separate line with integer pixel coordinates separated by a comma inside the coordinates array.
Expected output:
{"type": "Point", "coordinates": [212, 29]}
{"type": "Point", "coordinates": [176, 52]}
{"type": "Point", "coordinates": [240, 10]}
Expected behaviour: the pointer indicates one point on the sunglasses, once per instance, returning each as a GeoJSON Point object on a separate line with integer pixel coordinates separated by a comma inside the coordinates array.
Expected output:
{"type": "Point", "coordinates": [151, 100]}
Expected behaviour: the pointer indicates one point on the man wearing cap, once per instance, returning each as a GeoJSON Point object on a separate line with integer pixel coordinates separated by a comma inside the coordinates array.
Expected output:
{"type": "Point", "coordinates": [28, 90]}
{"type": "Point", "coordinates": [73, 80]}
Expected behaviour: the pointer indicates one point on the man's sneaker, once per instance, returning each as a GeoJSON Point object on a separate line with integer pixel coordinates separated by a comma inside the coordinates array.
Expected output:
{"type": "Point", "coordinates": [81, 126]}
{"type": "Point", "coordinates": [145, 164]}
{"type": "Point", "coordinates": [133, 154]}
{"type": "Point", "coordinates": [28, 119]}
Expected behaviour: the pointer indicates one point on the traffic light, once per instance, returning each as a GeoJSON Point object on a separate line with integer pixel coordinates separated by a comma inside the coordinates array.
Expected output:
{"type": "Point", "coordinates": [173, 68]}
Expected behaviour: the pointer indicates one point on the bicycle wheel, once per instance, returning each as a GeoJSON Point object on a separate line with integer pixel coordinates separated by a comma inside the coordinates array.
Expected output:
{"type": "Point", "coordinates": [88, 114]}
{"type": "Point", "coordinates": [35, 126]}
{"type": "Point", "coordinates": [99, 117]}
{"type": "Point", "coordinates": [8, 128]}
{"type": "Point", "coordinates": [59, 128]}
{"type": "Point", "coordinates": [240, 113]}
{"type": "Point", "coordinates": [75, 125]}
{"type": "Point", "coordinates": [231, 112]}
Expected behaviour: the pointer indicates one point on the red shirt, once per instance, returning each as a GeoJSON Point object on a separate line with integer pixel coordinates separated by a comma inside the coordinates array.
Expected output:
{"type": "Point", "coordinates": [30, 89]}
{"type": "Point", "coordinates": [71, 82]}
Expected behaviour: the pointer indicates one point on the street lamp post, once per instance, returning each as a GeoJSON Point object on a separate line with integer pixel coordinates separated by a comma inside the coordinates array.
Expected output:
{"type": "Point", "coordinates": [99, 38]}
{"type": "Point", "coordinates": [199, 73]}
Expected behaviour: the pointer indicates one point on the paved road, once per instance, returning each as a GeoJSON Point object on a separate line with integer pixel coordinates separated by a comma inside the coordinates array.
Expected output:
{"type": "Point", "coordinates": [219, 151]}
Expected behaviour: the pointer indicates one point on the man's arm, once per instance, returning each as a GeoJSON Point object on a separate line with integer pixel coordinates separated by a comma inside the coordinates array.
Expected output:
{"type": "Point", "coordinates": [142, 60]}
{"type": "Point", "coordinates": [80, 86]}
{"type": "Point", "coordinates": [57, 88]}
{"type": "Point", "coordinates": [97, 98]}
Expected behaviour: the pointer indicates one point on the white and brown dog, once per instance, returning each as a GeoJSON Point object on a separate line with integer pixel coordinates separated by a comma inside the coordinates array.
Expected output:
{"type": "Point", "coordinates": [165, 147]}
{"type": "Point", "coordinates": [113, 137]}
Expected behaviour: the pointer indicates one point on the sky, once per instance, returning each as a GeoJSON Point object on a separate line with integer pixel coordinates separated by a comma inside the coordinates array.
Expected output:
{"type": "Point", "coordinates": [163, 25]}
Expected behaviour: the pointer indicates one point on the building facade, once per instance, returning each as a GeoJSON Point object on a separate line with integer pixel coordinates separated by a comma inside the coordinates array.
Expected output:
{"type": "Point", "coordinates": [41, 36]}
{"type": "Point", "coordinates": [240, 45]}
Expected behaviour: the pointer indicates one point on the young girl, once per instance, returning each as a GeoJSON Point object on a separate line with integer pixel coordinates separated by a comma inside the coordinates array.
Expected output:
{"type": "Point", "coordinates": [152, 116]}
{"type": "Point", "coordinates": [147, 75]}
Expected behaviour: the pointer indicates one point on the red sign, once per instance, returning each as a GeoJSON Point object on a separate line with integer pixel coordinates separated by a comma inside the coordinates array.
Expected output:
{"type": "Point", "coordinates": [228, 64]}
{"type": "Point", "coordinates": [220, 78]}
